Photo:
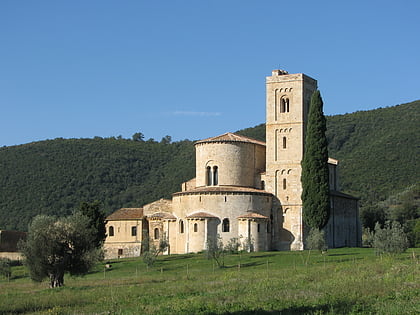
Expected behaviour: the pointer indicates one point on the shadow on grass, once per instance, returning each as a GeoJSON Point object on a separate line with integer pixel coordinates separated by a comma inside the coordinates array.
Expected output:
{"type": "Point", "coordinates": [335, 308]}
{"type": "Point", "coordinates": [176, 257]}
{"type": "Point", "coordinates": [343, 254]}
{"type": "Point", "coordinates": [244, 265]}
{"type": "Point", "coordinates": [263, 256]}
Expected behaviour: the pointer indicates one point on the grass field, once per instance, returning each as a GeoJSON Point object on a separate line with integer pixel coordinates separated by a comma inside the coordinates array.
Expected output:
{"type": "Point", "coordinates": [343, 281]}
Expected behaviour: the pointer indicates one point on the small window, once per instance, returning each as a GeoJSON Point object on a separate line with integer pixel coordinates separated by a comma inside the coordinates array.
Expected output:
{"type": "Point", "coordinates": [195, 227]}
{"type": "Point", "coordinates": [111, 231]}
{"type": "Point", "coordinates": [225, 225]}
{"type": "Point", "coordinates": [156, 234]}
{"type": "Point", "coordinates": [134, 231]}
{"type": "Point", "coordinates": [215, 175]}
{"type": "Point", "coordinates": [181, 226]}
{"type": "Point", "coordinates": [258, 227]}
{"type": "Point", "coordinates": [263, 185]}
{"type": "Point", "coordinates": [284, 142]}
{"type": "Point", "coordinates": [208, 176]}
{"type": "Point", "coordinates": [120, 252]}
{"type": "Point", "coordinates": [284, 183]}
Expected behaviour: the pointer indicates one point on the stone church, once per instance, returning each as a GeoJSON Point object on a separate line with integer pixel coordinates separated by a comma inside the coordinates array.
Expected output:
{"type": "Point", "coordinates": [244, 189]}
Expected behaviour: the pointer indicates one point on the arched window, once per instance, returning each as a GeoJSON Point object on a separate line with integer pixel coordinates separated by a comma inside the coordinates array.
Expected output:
{"type": "Point", "coordinates": [156, 234]}
{"type": "Point", "coordinates": [284, 183]}
{"type": "Point", "coordinates": [195, 227]}
{"type": "Point", "coordinates": [181, 226]}
{"type": "Point", "coordinates": [225, 225]}
{"type": "Point", "coordinates": [111, 231]}
{"type": "Point", "coordinates": [284, 142]}
{"type": "Point", "coordinates": [284, 105]}
{"type": "Point", "coordinates": [215, 175]}
{"type": "Point", "coordinates": [208, 176]}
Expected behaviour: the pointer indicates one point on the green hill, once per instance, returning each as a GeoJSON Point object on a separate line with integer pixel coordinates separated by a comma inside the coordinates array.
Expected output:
{"type": "Point", "coordinates": [377, 149]}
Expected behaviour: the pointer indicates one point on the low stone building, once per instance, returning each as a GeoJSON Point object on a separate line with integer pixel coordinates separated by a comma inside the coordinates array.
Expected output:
{"type": "Point", "coordinates": [244, 189]}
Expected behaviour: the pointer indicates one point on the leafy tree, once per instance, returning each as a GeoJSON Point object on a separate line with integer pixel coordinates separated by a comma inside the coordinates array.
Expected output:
{"type": "Point", "coordinates": [55, 246]}
{"type": "Point", "coordinates": [138, 136]}
{"type": "Point", "coordinates": [96, 220]}
{"type": "Point", "coordinates": [315, 185]}
{"type": "Point", "coordinates": [166, 140]}
{"type": "Point", "coordinates": [391, 239]}
{"type": "Point", "coordinates": [372, 214]}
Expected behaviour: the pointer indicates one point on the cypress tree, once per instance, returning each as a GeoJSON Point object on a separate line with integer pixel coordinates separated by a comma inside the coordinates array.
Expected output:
{"type": "Point", "coordinates": [315, 185]}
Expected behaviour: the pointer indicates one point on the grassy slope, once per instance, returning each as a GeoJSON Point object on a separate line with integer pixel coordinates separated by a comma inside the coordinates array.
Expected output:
{"type": "Point", "coordinates": [343, 281]}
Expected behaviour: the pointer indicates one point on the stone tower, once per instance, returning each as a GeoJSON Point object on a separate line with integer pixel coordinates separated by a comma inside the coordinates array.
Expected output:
{"type": "Point", "coordinates": [287, 104]}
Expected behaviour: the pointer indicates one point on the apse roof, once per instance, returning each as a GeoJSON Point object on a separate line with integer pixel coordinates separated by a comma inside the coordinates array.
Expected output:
{"type": "Point", "coordinates": [231, 137]}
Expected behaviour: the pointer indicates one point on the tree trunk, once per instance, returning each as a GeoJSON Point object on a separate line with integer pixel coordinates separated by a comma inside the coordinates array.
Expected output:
{"type": "Point", "coordinates": [56, 279]}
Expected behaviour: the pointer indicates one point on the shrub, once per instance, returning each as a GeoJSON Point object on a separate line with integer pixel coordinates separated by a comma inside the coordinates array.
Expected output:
{"type": "Point", "coordinates": [389, 240]}
{"type": "Point", "coordinates": [232, 247]}
{"type": "Point", "coordinates": [5, 267]}
{"type": "Point", "coordinates": [215, 250]}
{"type": "Point", "coordinates": [316, 240]}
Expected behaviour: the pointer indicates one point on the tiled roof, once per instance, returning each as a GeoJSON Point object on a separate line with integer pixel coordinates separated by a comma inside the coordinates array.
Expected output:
{"type": "Point", "coordinates": [253, 215]}
{"type": "Point", "coordinates": [200, 215]}
{"type": "Point", "coordinates": [126, 214]}
{"type": "Point", "coordinates": [162, 215]}
{"type": "Point", "coordinates": [231, 137]}
{"type": "Point", "coordinates": [223, 189]}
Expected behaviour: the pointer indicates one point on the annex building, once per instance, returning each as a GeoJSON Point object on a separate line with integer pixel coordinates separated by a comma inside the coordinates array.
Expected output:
{"type": "Point", "coordinates": [244, 189]}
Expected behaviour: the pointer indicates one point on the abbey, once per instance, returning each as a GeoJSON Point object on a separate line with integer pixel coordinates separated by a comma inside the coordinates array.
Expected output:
{"type": "Point", "coordinates": [244, 189]}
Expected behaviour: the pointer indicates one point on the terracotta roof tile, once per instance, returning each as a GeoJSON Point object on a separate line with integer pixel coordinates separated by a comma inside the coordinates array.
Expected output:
{"type": "Point", "coordinates": [253, 215]}
{"type": "Point", "coordinates": [231, 137]}
{"type": "Point", "coordinates": [162, 215]}
{"type": "Point", "coordinates": [200, 215]}
{"type": "Point", "coordinates": [126, 214]}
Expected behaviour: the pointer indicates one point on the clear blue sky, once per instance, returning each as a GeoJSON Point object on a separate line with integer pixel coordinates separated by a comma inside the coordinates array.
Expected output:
{"type": "Point", "coordinates": [193, 69]}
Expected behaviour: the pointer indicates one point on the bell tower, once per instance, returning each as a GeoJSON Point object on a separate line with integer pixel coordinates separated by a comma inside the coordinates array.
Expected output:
{"type": "Point", "coordinates": [287, 103]}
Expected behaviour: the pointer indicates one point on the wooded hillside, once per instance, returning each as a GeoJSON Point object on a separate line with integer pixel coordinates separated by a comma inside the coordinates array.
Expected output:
{"type": "Point", "coordinates": [378, 152]}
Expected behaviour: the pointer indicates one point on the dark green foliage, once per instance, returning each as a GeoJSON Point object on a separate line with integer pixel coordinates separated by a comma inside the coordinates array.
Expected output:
{"type": "Point", "coordinates": [96, 220]}
{"type": "Point", "coordinates": [315, 186]}
{"type": "Point", "coordinates": [378, 150]}
{"type": "Point", "coordinates": [372, 214]}
{"type": "Point", "coordinates": [52, 177]}
{"type": "Point", "coordinates": [55, 246]}
{"type": "Point", "coordinates": [5, 267]}
{"type": "Point", "coordinates": [390, 240]}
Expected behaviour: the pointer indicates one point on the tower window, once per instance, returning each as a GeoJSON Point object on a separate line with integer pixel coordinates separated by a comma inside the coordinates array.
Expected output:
{"type": "Point", "coordinates": [258, 228]}
{"type": "Point", "coordinates": [284, 142]}
{"type": "Point", "coordinates": [208, 176]}
{"type": "Point", "coordinates": [284, 105]}
{"type": "Point", "coordinates": [263, 185]}
{"type": "Point", "coordinates": [111, 231]}
{"type": "Point", "coordinates": [225, 225]}
{"type": "Point", "coordinates": [181, 226]}
{"type": "Point", "coordinates": [195, 227]}
{"type": "Point", "coordinates": [156, 233]}
{"type": "Point", "coordinates": [134, 231]}
{"type": "Point", "coordinates": [284, 183]}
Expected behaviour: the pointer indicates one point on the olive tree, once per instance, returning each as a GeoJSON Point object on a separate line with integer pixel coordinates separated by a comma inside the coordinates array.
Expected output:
{"type": "Point", "coordinates": [56, 246]}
